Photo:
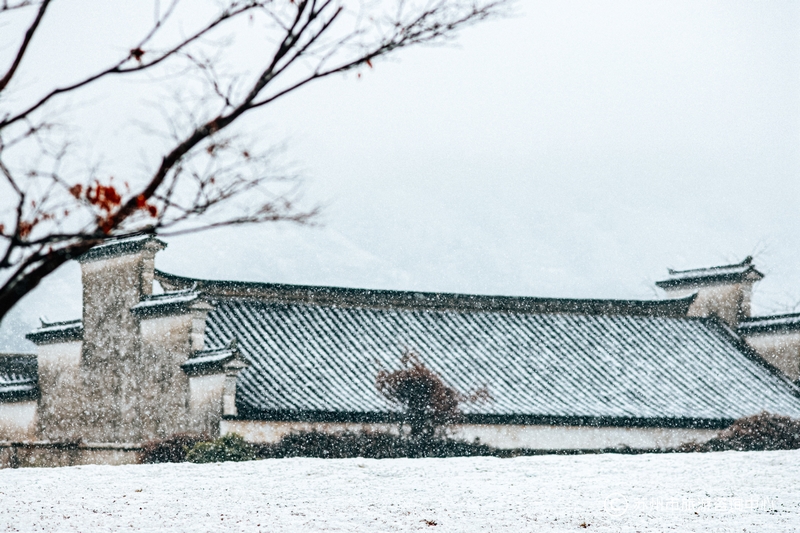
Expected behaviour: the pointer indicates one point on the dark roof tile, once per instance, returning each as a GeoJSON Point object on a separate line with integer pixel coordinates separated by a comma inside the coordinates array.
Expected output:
{"type": "Point", "coordinates": [51, 332]}
{"type": "Point", "coordinates": [19, 377]}
{"type": "Point", "coordinates": [769, 324]}
{"type": "Point", "coordinates": [536, 366]}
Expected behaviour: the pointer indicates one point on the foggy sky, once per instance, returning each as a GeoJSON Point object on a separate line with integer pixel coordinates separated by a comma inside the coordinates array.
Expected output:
{"type": "Point", "coordinates": [577, 149]}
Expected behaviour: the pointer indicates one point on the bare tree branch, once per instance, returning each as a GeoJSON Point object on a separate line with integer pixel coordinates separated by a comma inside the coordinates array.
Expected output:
{"type": "Point", "coordinates": [206, 177]}
{"type": "Point", "coordinates": [132, 58]}
{"type": "Point", "coordinates": [24, 46]}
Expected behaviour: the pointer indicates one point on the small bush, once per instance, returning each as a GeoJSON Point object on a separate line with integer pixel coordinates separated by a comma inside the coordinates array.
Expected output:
{"type": "Point", "coordinates": [171, 449]}
{"type": "Point", "coordinates": [429, 406]}
{"type": "Point", "coordinates": [229, 447]}
{"type": "Point", "coordinates": [764, 431]}
{"type": "Point", "coordinates": [333, 445]}
{"type": "Point", "coordinates": [367, 444]}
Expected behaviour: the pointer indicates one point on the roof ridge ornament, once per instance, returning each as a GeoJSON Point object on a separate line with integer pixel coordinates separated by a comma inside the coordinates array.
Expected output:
{"type": "Point", "coordinates": [177, 292]}
{"type": "Point", "coordinates": [237, 363]}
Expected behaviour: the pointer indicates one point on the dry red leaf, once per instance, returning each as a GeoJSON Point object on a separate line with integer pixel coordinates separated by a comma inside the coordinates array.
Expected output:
{"type": "Point", "coordinates": [104, 197]}
{"type": "Point", "coordinates": [25, 229]}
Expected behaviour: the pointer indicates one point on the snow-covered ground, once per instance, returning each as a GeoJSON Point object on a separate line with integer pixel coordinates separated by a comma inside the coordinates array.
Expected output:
{"type": "Point", "coordinates": [728, 491]}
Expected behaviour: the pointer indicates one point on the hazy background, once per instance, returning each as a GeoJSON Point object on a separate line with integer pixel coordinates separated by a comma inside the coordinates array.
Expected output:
{"type": "Point", "coordinates": [576, 150]}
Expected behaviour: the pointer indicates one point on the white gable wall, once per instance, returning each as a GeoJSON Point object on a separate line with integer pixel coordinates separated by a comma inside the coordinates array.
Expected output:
{"type": "Point", "coordinates": [780, 349]}
{"type": "Point", "coordinates": [17, 421]}
{"type": "Point", "coordinates": [61, 391]}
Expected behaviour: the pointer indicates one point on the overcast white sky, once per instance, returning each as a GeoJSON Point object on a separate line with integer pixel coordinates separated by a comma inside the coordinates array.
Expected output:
{"type": "Point", "coordinates": [577, 150]}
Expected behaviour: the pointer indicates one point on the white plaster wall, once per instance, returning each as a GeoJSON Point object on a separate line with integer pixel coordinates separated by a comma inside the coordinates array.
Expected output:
{"type": "Point", "coordinates": [197, 334]}
{"type": "Point", "coordinates": [499, 436]}
{"type": "Point", "coordinates": [163, 388]}
{"type": "Point", "coordinates": [205, 398]}
{"type": "Point", "coordinates": [579, 437]}
{"type": "Point", "coordinates": [205, 390]}
{"type": "Point", "coordinates": [116, 262]}
{"type": "Point", "coordinates": [60, 356]}
{"type": "Point", "coordinates": [61, 391]}
{"type": "Point", "coordinates": [728, 302]}
{"type": "Point", "coordinates": [170, 330]}
{"type": "Point", "coordinates": [781, 350]}
{"type": "Point", "coordinates": [17, 421]}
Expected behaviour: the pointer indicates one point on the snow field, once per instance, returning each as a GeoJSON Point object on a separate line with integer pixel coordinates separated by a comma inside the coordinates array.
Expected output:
{"type": "Point", "coordinates": [730, 491]}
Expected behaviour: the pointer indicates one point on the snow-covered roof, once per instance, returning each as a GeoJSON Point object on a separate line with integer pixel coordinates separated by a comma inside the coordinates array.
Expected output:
{"type": "Point", "coordinates": [166, 302]}
{"type": "Point", "coordinates": [49, 332]}
{"type": "Point", "coordinates": [125, 245]}
{"type": "Point", "coordinates": [346, 297]}
{"type": "Point", "coordinates": [769, 324]}
{"type": "Point", "coordinates": [712, 275]}
{"type": "Point", "coordinates": [315, 352]}
{"type": "Point", "coordinates": [19, 379]}
{"type": "Point", "coordinates": [322, 361]}
{"type": "Point", "coordinates": [208, 360]}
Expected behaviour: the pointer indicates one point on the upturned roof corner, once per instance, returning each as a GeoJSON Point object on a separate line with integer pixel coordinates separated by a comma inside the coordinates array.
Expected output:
{"type": "Point", "coordinates": [744, 271]}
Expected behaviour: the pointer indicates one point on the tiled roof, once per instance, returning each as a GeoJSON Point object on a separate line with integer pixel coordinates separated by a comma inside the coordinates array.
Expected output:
{"type": "Point", "coordinates": [50, 332]}
{"type": "Point", "coordinates": [122, 245]}
{"type": "Point", "coordinates": [745, 270]}
{"type": "Point", "coordinates": [320, 361]}
{"type": "Point", "coordinates": [206, 361]}
{"type": "Point", "coordinates": [769, 324]}
{"type": "Point", "coordinates": [19, 379]}
{"type": "Point", "coordinates": [168, 302]}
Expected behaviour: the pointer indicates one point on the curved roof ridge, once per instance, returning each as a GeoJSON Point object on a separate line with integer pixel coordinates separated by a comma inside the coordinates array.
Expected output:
{"type": "Point", "coordinates": [383, 298]}
{"type": "Point", "coordinates": [746, 263]}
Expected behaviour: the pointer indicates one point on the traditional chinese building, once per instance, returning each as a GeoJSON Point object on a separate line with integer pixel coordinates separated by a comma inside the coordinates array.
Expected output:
{"type": "Point", "coordinates": [156, 354]}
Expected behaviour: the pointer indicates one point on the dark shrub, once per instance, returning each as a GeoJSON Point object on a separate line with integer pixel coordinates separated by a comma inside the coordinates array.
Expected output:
{"type": "Point", "coordinates": [334, 445]}
{"type": "Point", "coordinates": [764, 431]}
{"type": "Point", "coordinates": [374, 445]}
{"type": "Point", "coordinates": [229, 447]}
{"type": "Point", "coordinates": [429, 405]}
{"type": "Point", "coordinates": [170, 450]}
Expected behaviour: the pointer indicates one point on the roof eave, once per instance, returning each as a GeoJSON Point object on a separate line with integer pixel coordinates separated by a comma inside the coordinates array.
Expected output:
{"type": "Point", "coordinates": [769, 324]}
{"type": "Point", "coordinates": [207, 362]}
{"type": "Point", "coordinates": [384, 299]}
{"type": "Point", "coordinates": [56, 336]}
{"type": "Point", "coordinates": [11, 396]}
{"type": "Point", "coordinates": [247, 413]}
{"type": "Point", "coordinates": [170, 309]}
{"type": "Point", "coordinates": [751, 275]}
{"type": "Point", "coordinates": [746, 330]}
